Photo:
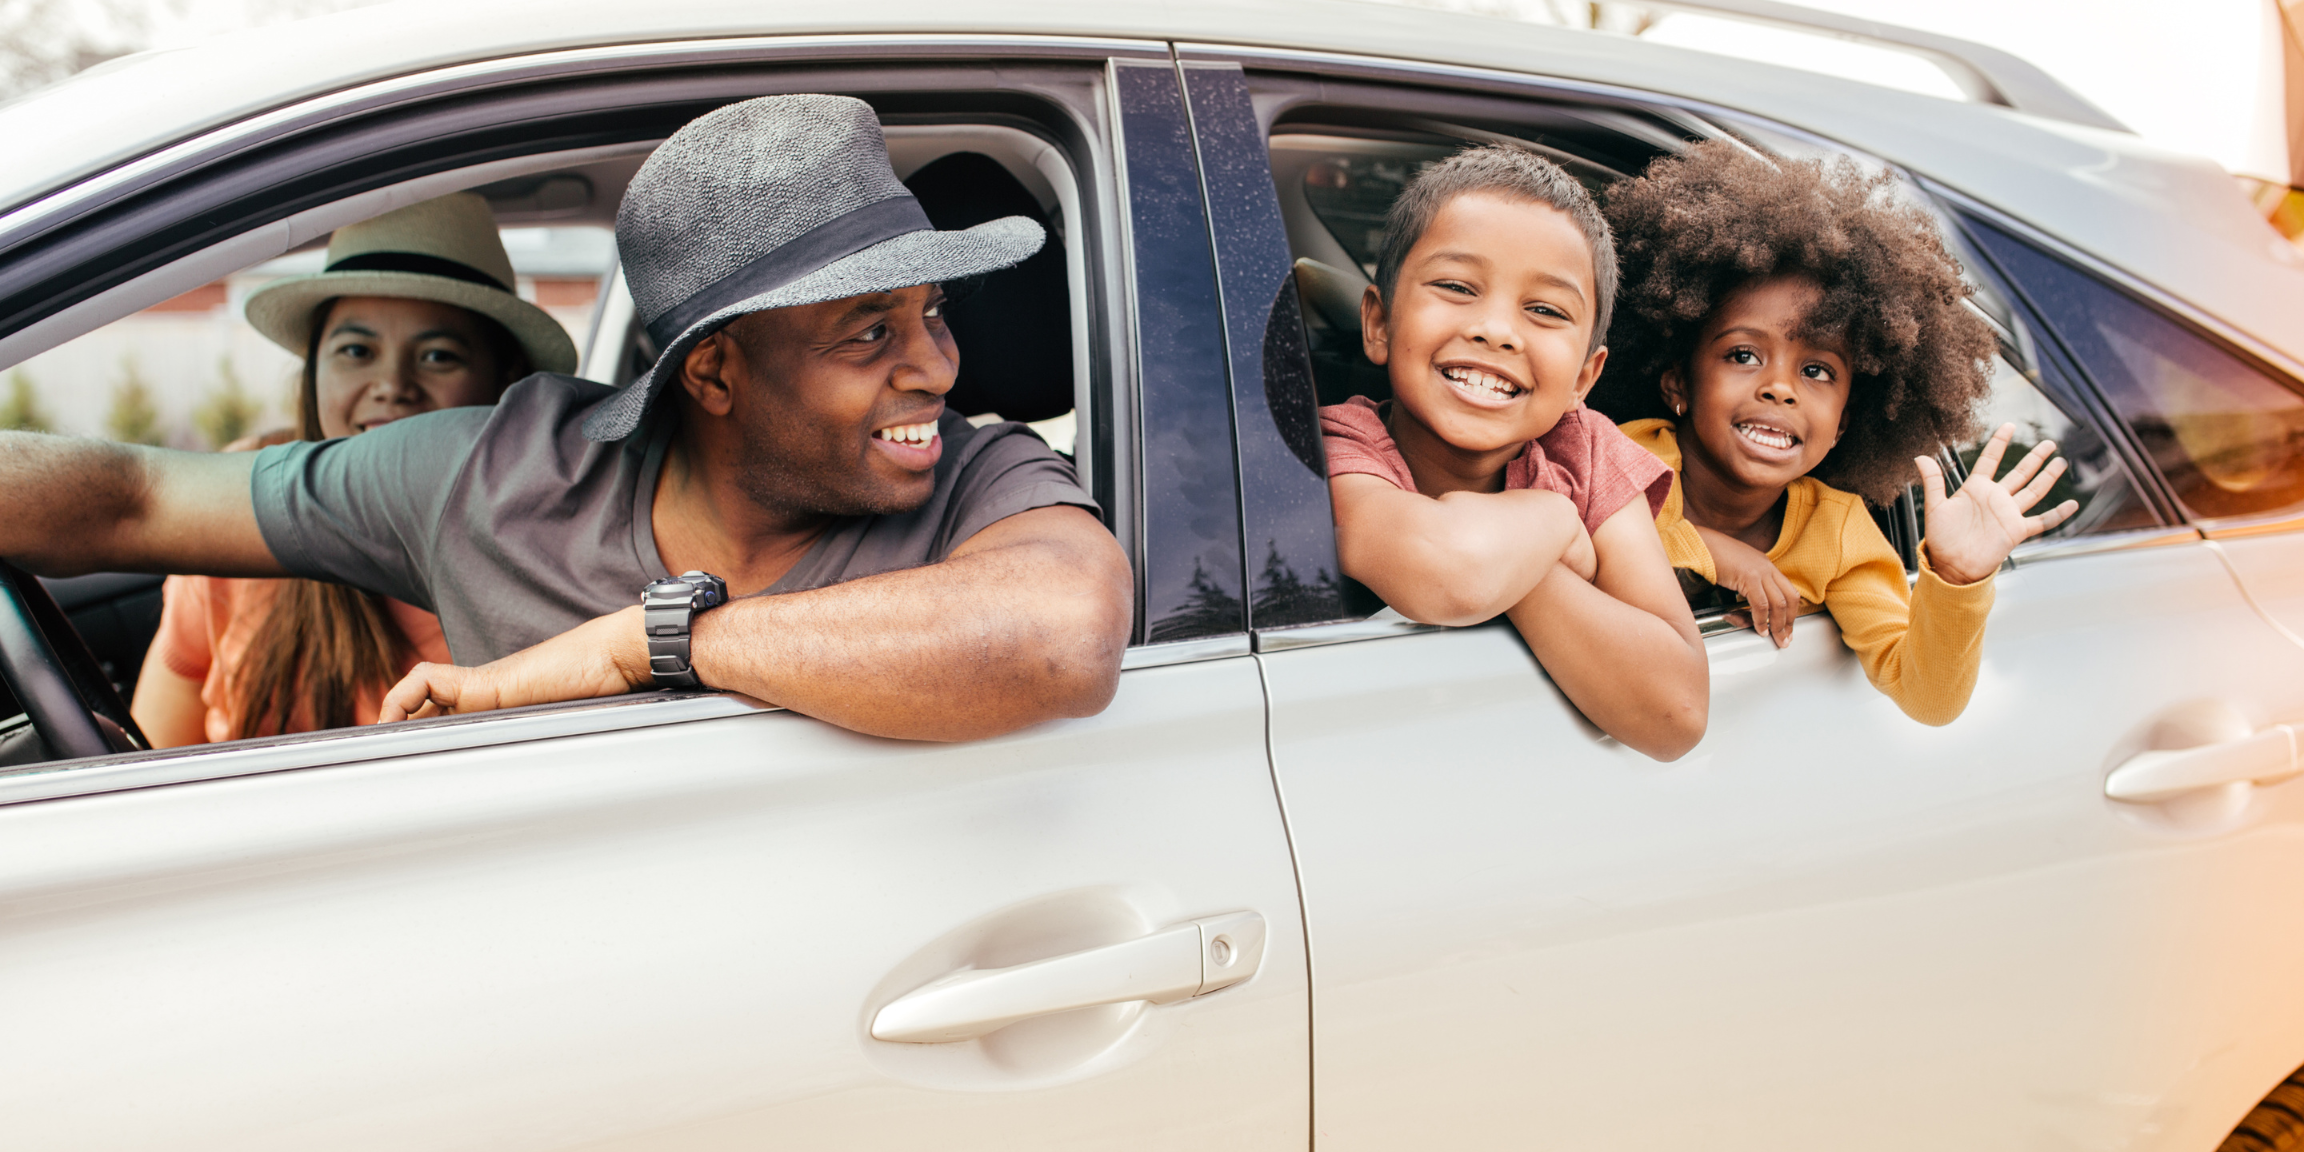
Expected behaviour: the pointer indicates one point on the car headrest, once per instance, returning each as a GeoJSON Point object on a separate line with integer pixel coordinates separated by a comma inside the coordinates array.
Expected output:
{"type": "Point", "coordinates": [1015, 330]}
{"type": "Point", "coordinates": [1332, 292]}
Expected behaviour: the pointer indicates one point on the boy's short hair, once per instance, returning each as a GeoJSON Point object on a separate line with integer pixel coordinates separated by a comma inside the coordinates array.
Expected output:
{"type": "Point", "coordinates": [1516, 173]}
{"type": "Point", "coordinates": [1700, 225]}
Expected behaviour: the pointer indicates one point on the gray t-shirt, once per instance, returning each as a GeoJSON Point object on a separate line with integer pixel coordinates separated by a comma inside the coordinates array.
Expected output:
{"type": "Point", "coordinates": [513, 528]}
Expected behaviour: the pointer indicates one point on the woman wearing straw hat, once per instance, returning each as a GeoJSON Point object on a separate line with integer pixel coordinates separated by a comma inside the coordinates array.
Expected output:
{"type": "Point", "coordinates": [415, 312]}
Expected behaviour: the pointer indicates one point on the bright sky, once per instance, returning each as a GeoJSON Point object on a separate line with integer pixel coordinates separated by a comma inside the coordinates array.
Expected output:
{"type": "Point", "coordinates": [2199, 76]}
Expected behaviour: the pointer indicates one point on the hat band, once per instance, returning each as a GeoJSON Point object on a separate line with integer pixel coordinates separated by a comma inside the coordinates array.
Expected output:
{"type": "Point", "coordinates": [419, 263]}
{"type": "Point", "coordinates": [839, 237]}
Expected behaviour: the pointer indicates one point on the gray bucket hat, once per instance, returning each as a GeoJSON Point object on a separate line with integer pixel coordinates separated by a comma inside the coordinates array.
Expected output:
{"type": "Point", "coordinates": [774, 203]}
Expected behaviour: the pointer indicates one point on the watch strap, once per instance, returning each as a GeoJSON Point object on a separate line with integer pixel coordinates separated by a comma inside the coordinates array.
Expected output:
{"type": "Point", "coordinates": [668, 611]}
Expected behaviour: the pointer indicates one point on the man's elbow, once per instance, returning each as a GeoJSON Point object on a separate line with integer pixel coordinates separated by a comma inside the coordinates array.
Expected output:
{"type": "Point", "coordinates": [1082, 635]}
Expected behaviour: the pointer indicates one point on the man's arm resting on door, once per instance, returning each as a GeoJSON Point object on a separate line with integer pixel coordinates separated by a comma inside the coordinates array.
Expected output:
{"type": "Point", "coordinates": [78, 506]}
{"type": "Point", "coordinates": [1025, 621]}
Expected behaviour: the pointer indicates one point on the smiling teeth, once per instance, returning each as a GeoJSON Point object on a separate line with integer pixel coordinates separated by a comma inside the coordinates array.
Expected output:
{"type": "Point", "coordinates": [916, 435]}
{"type": "Point", "coordinates": [1767, 437]}
{"type": "Point", "coordinates": [1489, 381]}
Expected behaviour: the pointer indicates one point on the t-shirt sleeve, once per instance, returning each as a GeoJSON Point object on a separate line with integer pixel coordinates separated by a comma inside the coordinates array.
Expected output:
{"type": "Point", "coordinates": [181, 644]}
{"type": "Point", "coordinates": [1620, 470]}
{"type": "Point", "coordinates": [365, 510]}
{"type": "Point", "coordinates": [1015, 471]}
{"type": "Point", "coordinates": [1356, 441]}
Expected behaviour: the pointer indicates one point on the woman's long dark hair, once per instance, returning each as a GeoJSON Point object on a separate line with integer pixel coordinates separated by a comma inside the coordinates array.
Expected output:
{"type": "Point", "coordinates": [322, 645]}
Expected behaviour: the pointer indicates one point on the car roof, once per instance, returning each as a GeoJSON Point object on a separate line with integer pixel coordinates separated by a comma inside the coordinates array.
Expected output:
{"type": "Point", "coordinates": [2177, 222]}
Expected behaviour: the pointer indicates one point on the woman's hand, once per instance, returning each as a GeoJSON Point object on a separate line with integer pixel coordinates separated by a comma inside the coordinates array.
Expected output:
{"type": "Point", "coordinates": [1973, 530]}
{"type": "Point", "coordinates": [604, 656]}
{"type": "Point", "coordinates": [1747, 571]}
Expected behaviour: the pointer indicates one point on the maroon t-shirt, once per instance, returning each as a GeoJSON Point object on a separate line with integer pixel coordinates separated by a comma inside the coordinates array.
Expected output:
{"type": "Point", "coordinates": [1584, 457]}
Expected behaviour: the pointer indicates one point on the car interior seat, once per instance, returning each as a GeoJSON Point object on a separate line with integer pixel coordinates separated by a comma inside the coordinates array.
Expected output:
{"type": "Point", "coordinates": [1015, 328]}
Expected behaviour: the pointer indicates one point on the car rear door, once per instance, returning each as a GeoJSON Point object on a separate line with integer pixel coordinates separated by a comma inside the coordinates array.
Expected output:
{"type": "Point", "coordinates": [689, 921]}
{"type": "Point", "coordinates": [1826, 926]}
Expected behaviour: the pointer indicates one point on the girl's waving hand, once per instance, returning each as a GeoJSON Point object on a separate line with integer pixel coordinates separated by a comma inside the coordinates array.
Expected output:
{"type": "Point", "coordinates": [1970, 532]}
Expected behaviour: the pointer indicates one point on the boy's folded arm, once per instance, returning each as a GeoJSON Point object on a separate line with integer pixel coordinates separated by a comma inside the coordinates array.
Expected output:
{"type": "Point", "coordinates": [1460, 559]}
{"type": "Point", "coordinates": [1624, 648]}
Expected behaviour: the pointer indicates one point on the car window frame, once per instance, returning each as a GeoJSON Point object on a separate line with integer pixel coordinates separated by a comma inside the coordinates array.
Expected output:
{"type": "Point", "coordinates": [274, 214]}
{"type": "Point", "coordinates": [1631, 112]}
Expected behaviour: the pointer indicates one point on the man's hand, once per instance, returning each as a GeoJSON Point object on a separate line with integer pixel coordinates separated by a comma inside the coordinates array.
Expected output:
{"type": "Point", "coordinates": [605, 656]}
{"type": "Point", "coordinates": [1972, 531]}
{"type": "Point", "coordinates": [1745, 570]}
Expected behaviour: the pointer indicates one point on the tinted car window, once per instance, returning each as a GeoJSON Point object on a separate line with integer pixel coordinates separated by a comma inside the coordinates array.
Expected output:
{"type": "Point", "coordinates": [2094, 475]}
{"type": "Point", "coordinates": [2225, 433]}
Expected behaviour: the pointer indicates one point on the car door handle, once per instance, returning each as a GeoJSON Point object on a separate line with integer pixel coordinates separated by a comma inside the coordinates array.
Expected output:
{"type": "Point", "coordinates": [2266, 757]}
{"type": "Point", "coordinates": [1172, 964]}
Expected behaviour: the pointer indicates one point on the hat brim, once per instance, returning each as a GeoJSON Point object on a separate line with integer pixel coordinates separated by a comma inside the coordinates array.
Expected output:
{"type": "Point", "coordinates": [924, 257]}
{"type": "Point", "coordinates": [282, 310]}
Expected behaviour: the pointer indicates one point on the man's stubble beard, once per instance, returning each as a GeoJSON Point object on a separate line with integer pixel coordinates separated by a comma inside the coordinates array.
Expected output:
{"type": "Point", "coordinates": [778, 480]}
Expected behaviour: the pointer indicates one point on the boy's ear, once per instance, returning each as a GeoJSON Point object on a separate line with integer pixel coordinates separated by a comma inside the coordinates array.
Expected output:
{"type": "Point", "coordinates": [1676, 392]}
{"type": "Point", "coordinates": [1375, 340]}
{"type": "Point", "coordinates": [1591, 373]}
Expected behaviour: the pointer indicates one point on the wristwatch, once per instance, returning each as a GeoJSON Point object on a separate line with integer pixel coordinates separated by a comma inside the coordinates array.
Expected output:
{"type": "Point", "coordinates": [667, 607]}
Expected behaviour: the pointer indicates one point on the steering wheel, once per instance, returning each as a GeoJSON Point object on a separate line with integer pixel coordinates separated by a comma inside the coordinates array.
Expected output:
{"type": "Point", "coordinates": [56, 679]}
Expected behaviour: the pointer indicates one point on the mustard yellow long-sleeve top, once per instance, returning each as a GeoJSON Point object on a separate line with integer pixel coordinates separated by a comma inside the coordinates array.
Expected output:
{"type": "Point", "coordinates": [1919, 644]}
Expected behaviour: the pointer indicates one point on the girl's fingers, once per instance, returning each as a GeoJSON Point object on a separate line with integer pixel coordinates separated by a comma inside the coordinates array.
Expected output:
{"type": "Point", "coordinates": [2024, 469]}
{"type": "Point", "coordinates": [1931, 483]}
{"type": "Point", "coordinates": [1988, 461]}
{"type": "Point", "coordinates": [2031, 493]}
{"type": "Point", "coordinates": [2047, 521]}
{"type": "Point", "coordinates": [1786, 607]}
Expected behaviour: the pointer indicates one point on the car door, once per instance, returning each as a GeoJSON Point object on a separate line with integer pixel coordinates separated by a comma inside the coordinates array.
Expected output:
{"type": "Point", "coordinates": [1827, 926]}
{"type": "Point", "coordinates": [675, 921]}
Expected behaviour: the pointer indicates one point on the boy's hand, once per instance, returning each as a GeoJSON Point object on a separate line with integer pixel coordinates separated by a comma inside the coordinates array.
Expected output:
{"type": "Point", "coordinates": [1973, 530]}
{"type": "Point", "coordinates": [1580, 557]}
{"type": "Point", "coordinates": [1747, 571]}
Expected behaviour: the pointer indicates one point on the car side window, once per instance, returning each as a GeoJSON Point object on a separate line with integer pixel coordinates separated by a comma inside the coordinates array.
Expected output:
{"type": "Point", "coordinates": [2094, 475]}
{"type": "Point", "coordinates": [2226, 434]}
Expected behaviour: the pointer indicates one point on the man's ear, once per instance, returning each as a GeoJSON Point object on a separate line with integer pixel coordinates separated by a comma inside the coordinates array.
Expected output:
{"type": "Point", "coordinates": [705, 373]}
{"type": "Point", "coordinates": [1375, 338]}
{"type": "Point", "coordinates": [1591, 373]}
{"type": "Point", "coordinates": [1675, 391]}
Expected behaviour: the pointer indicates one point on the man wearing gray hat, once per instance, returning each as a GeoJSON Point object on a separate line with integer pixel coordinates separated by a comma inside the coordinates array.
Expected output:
{"type": "Point", "coordinates": [929, 579]}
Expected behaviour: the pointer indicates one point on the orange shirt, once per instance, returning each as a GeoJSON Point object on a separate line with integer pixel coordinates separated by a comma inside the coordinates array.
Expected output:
{"type": "Point", "coordinates": [207, 623]}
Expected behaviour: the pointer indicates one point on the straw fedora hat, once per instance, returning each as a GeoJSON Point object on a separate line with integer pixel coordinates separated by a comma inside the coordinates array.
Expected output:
{"type": "Point", "coordinates": [446, 250]}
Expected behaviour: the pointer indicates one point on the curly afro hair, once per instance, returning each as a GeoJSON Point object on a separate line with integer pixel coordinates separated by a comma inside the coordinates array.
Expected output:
{"type": "Point", "coordinates": [1701, 224]}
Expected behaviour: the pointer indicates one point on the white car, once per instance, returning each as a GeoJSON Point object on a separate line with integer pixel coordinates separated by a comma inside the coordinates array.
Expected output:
{"type": "Point", "coordinates": [1315, 877]}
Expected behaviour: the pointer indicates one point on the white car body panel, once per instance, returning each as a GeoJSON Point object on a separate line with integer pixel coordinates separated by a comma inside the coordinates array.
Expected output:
{"type": "Point", "coordinates": [1824, 917]}
{"type": "Point", "coordinates": [670, 938]}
